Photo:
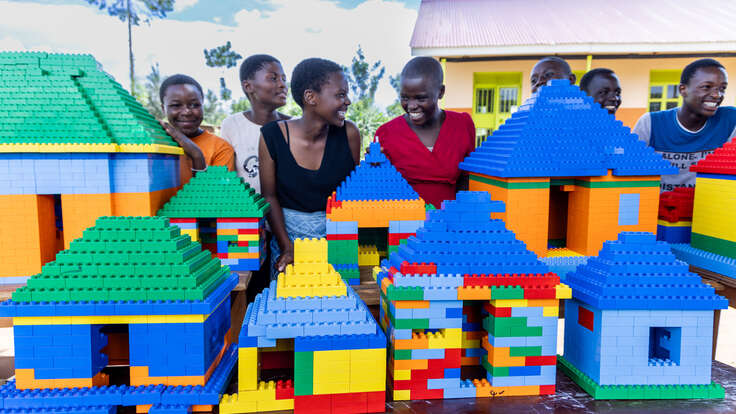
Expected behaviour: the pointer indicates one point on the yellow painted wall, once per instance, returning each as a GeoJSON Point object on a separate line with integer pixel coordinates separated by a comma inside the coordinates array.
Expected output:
{"type": "Point", "coordinates": [633, 73]}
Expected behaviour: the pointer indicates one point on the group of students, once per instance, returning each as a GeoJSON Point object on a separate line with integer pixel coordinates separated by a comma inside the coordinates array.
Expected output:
{"type": "Point", "coordinates": [296, 163]}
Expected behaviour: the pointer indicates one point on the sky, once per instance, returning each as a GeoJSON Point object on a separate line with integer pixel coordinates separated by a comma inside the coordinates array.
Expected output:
{"type": "Point", "coordinates": [290, 30]}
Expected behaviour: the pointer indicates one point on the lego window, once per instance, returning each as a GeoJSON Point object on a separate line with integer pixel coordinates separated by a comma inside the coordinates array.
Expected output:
{"type": "Point", "coordinates": [663, 90]}
{"type": "Point", "coordinates": [372, 245]}
{"type": "Point", "coordinates": [665, 345]}
{"type": "Point", "coordinates": [557, 220]}
{"type": "Point", "coordinates": [586, 318]}
{"type": "Point", "coordinates": [628, 209]}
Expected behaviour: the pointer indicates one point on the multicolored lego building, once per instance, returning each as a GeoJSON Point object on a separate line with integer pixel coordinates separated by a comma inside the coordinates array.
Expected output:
{"type": "Point", "coordinates": [134, 284]}
{"type": "Point", "coordinates": [219, 209]}
{"type": "Point", "coordinates": [465, 292]}
{"type": "Point", "coordinates": [570, 174]}
{"type": "Point", "coordinates": [713, 239]}
{"type": "Point", "coordinates": [372, 212]}
{"type": "Point", "coordinates": [74, 146]}
{"type": "Point", "coordinates": [639, 325]}
{"type": "Point", "coordinates": [311, 324]}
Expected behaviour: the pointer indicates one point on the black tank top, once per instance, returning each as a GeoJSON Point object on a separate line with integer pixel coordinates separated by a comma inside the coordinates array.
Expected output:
{"type": "Point", "coordinates": [302, 189]}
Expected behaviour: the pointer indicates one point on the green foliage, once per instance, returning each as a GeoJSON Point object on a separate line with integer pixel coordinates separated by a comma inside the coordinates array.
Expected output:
{"type": "Point", "coordinates": [136, 10]}
{"type": "Point", "coordinates": [241, 105]}
{"type": "Point", "coordinates": [367, 117]}
{"type": "Point", "coordinates": [222, 57]}
{"type": "Point", "coordinates": [147, 92]}
{"type": "Point", "coordinates": [213, 112]}
{"type": "Point", "coordinates": [291, 108]}
{"type": "Point", "coordinates": [363, 76]}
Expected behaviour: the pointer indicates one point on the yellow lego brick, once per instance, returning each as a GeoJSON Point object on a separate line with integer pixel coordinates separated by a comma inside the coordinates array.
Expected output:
{"type": "Point", "coordinates": [402, 395]}
{"type": "Point", "coordinates": [331, 387]}
{"type": "Point", "coordinates": [234, 404]}
{"type": "Point", "coordinates": [247, 369]}
{"type": "Point", "coordinates": [550, 311]}
{"type": "Point", "coordinates": [275, 405]}
{"type": "Point", "coordinates": [563, 291]}
{"type": "Point", "coordinates": [402, 374]}
{"type": "Point", "coordinates": [150, 148]}
{"type": "Point", "coordinates": [445, 338]}
{"type": "Point", "coordinates": [683, 223]}
{"type": "Point", "coordinates": [59, 148]}
{"type": "Point", "coordinates": [248, 237]}
{"type": "Point", "coordinates": [368, 256]}
{"type": "Point", "coordinates": [376, 271]}
{"type": "Point", "coordinates": [310, 251]}
{"type": "Point", "coordinates": [510, 303]}
{"type": "Point", "coordinates": [714, 200]}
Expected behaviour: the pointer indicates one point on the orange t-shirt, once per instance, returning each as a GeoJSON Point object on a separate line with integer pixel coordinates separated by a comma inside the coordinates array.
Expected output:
{"type": "Point", "coordinates": [216, 151]}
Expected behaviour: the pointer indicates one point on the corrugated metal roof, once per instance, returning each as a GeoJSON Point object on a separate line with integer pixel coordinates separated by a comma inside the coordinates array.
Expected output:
{"type": "Point", "coordinates": [502, 23]}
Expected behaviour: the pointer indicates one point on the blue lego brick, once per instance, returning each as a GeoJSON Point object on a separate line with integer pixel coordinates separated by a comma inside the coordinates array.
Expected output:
{"type": "Point", "coordinates": [464, 391]}
{"type": "Point", "coordinates": [628, 209]}
{"type": "Point", "coordinates": [637, 262]}
{"type": "Point", "coordinates": [375, 179]}
{"type": "Point", "coordinates": [564, 265]}
{"type": "Point", "coordinates": [706, 260]}
{"type": "Point", "coordinates": [427, 354]}
{"type": "Point", "coordinates": [437, 383]}
{"type": "Point", "coordinates": [674, 234]}
{"type": "Point", "coordinates": [593, 142]}
{"type": "Point", "coordinates": [170, 409]}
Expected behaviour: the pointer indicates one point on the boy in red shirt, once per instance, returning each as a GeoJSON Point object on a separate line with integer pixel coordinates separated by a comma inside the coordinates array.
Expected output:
{"type": "Point", "coordinates": [427, 144]}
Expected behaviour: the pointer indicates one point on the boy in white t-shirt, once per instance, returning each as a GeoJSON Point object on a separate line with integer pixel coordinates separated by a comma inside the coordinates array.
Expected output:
{"type": "Point", "coordinates": [264, 84]}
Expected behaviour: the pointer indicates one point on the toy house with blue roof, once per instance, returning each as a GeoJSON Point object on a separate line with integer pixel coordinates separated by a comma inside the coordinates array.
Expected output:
{"type": "Point", "coordinates": [74, 146]}
{"type": "Point", "coordinates": [372, 212]}
{"type": "Point", "coordinates": [311, 324]}
{"type": "Point", "coordinates": [133, 284]}
{"type": "Point", "coordinates": [219, 209]}
{"type": "Point", "coordinates": [570, 174]}
{"type": "Point", "coordinates": [465, 292]}
{"type": "Point", "coordinates": [639, 325]}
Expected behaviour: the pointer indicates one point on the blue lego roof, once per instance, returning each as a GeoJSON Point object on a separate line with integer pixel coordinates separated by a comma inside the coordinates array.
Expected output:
{"type": "Point", "coordinates": [638, 272]}
{"type": "Point", "coordinates": [375, 179]}
{"type": "Point", "coordinates": [462, 238]}
{"type": "Point", "coordinates": [561, 132]}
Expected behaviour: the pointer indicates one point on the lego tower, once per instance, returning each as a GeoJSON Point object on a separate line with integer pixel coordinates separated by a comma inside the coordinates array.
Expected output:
{"type": "Point", "coordinates": [74, 146]}
{"type": "Point", "coordinates": [465, 292]}
{"type": "Point", "coordinates": [217, 208]}
{"type": "Point", "coordinates": [308, 322]}
{"type": "Point", "coordinates": [374, 196]}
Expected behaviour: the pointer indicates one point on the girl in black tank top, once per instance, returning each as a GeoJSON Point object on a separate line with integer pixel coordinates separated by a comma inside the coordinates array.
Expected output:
{"type": "Point", "coordinates": [302, 161]}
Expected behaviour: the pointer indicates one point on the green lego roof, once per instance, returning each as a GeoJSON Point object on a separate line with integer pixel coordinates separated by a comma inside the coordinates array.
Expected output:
{"type": "Point", "coordinates": [215, 193]}
{"type": "Point", "coordinates": [127, 259]}
{"type": "Point", "coordinates": [68, 99]}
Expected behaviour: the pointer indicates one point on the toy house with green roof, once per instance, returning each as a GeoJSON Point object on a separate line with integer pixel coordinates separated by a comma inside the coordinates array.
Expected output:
{"type": "Point", "coordinates": [74, 146]}
{"type": "Point", "coordinates": [138, 276]}
{"type": "Point", "coordinates": [225, 214]}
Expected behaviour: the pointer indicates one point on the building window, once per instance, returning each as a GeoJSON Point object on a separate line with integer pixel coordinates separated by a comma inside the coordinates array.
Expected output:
{"type": "Point", "coordinates": [664, 346]}
{"type": "Point", "coordinates": [628, 209]}
{"type": "Point", "coordinates": [663, 90]}
{"type": "Point", "coordinates": [496, 95]}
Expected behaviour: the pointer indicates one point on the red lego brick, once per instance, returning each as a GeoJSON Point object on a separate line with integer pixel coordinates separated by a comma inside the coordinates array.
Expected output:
{"type": "Point", "coordinates": [540, 360]}
{"type": "Point", "coordinates": [676, 205]}
{"type": "Point", "coordinates": [394, 239]}
{"type": "Point", "coordinates": [349, 403]}
{"type": "Point", "coordinates": [375, 402]}
{"type": "Point", "coordinates": [313, 404]}
{"type": "Point", "coordinates": [586, 318]}
{"type": "Point", "coordinates": [426, 394]}
{"type": "Point", "coordinates": [237, 220]}
{"type": "Point", "coordinates": [418, 268]}
{"type": "Point", "coordinates": [547, 389]}
{"type": "Point", "coordinates": [721, 161]}
{"type": "Point", "coordinates": [342, 237]}
{"type": "Point", "coordinates": [497, 312]}
{"type": "Point", "coordinates": [247, 231]}
{"type": "Point", "coordinates": [452, 357]}
{"type": "Point", "coordinates": [284, 390]}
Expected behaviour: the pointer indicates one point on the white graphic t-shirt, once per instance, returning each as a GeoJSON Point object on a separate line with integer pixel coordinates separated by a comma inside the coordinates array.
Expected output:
{"type": "Point", "coordinates": [243, 135]}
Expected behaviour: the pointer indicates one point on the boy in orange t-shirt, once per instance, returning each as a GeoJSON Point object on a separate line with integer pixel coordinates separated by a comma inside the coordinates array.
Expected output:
{"type": "Point", "coordinates": [181, 101]}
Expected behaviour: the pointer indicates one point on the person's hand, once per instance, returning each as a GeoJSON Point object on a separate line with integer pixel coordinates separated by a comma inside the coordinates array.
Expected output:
{"type": "Point", "coordinates": [286, 258]}
{"type": "Point", "coordinates": [189, 147]}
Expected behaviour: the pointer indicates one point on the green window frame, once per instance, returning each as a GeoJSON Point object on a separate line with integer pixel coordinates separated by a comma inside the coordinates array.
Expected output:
{"type": "Point", "coordinates": [664, 90]}
{"type": "Point", "coordinates": [496, 95]}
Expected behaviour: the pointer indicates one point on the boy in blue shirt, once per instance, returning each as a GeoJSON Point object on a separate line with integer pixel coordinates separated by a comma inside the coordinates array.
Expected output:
{"type": "Point", "coordinates": [686, 134]}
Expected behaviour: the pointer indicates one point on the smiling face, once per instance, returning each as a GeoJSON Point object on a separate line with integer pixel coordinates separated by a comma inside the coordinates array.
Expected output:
{"type": "Point", "coordinates": [705, 90]}
{"type": "Point", "coordinates": [268, 85]}
{"type": "Point", "coordinates": [332, 101]}
{"type": "Point", "coordinates": [545, 70]}
{"type": "Point", "coordinates": [419, 96]}
{"type": "Point", "coordinates": [606, 90]}
{"type": "Point", "coordinates": [183, 108]}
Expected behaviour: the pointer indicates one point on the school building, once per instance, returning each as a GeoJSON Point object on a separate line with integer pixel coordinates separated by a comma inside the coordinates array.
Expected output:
{"type": "Point", "coordinates": [489, 47]}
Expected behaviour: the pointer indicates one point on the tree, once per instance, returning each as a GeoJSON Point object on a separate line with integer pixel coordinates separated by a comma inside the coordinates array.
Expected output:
{"type": "Point", "coordinates": [149, 96]}
{"type": "Point", "coordinates": [395, 108]}
{"type": "Point", "coordinates": [363, 76]}
{"type": "Point", "coordinates": [212, 108]}
{"type": "Point", "coordinates": [133, 12]}
{"type": "Point", "coordinates": [222, 57]}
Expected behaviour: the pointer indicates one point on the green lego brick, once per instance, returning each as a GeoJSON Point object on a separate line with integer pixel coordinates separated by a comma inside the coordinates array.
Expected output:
{"type": "Point", "coordinates": [303, 373]}
{"type": "Point", "coordinates": [507, 292]}
{"type": "Point", "coordinates": [168, 266]}
{"type": "Point", "coordinates": [639, 392]}
{"type": "Point", "coordinates": [402, 354]}
{"type": "Point", "coordinates": [404, 293]}
{"type": "Point", "coordinates": [216, 192]}
{"type": "Point", "coordinates": [509, 326]}
{"type": "Point", "coordinates": [81, 104]}
{"type": "Point", "coordinates": [523, 351]}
